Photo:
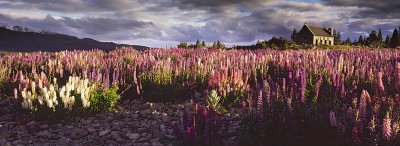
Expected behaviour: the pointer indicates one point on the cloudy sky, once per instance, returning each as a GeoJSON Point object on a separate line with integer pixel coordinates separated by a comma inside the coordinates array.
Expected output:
{"type": "Point", "coordinates": [164, 23]}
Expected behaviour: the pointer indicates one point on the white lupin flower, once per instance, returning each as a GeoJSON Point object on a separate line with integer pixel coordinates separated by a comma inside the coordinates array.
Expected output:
{"type": "Point", "coordinates": [33, 85]}
{"type": "Point", "coordinates": [55, 83]}
{"type": "Point", "coordinates": [62, 92]}
{"type": "Point", "coordinates": [23, 93]}
{"type": "Point", "coordinates": [71, 102]}
{"type": "Point", "coordinates": [54, 97]}
{"type": "Point", "coordinates": [48, 95]}
{"type": "Point", "coordinates": [40, 84]}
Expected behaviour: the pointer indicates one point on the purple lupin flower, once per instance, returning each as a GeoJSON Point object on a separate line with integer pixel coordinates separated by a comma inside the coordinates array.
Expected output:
{"type": "Point", "coordinates": [284, 87]}
{"type": "Point", "coordinates": [355, 135]}
{"type": "Point", "coordinates": [187, 136]}
{"type": "Point", "coordinates": [350, 114]}
{"type": "Point", "coordinates": [250, 102]}
{"type": "Point", "coordinates": [206, 126]}
{"type": "Point", "coordinates": [267, 91]}
{"type": "Point", "coordinates": [395, 129]}
{"type": "Point", "coordinates": [289, 104]}
{"type": "Point", "coordinates": [303, 86]}
{"type": "Point", "coordinates": [363, 105]}
{"type": "Point", "coordinates": [318, 85]}
{"type": "Point", "coordinates": [290, 83]}
{"type": "Point", "coordinates": [177, 131]}
{"type": "Point", "coordinates": [185, 118]}
{"type": "Point", "coordinates": [397, 76]}
{"type": "Point", "coordinates": [342, 89]}
{"type": "Point", "coordinates": [333, 79]}
{"type": "Point", "coordinates": [332, 118]}
{"type": "Point", "coordinates": [260, 108]}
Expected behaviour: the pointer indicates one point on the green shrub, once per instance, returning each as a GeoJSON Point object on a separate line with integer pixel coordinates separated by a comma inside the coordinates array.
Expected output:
{"type": "Point", "coordinates": [128, 59]}
{"type": "Point", "coordinates": [104, 100]}
{"type": "Point", "coordinates": [215, 102]}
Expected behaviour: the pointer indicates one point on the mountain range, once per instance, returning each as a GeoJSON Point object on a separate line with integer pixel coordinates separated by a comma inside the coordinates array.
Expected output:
{"type": "Point", "coordinates": [25, 40]}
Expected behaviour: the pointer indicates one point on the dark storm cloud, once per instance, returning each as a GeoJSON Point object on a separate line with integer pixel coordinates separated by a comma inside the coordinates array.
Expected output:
{"type": "Point", "coordinates": [374, 8]}
{"type": "Point", "coordinates": [103, 28]}
{"type": "Point", "coordinates": [230, 21]}
{"type": "Point", "coordinates": [71, 6]}
{"type": "Point", "coordinates": [100, 26]}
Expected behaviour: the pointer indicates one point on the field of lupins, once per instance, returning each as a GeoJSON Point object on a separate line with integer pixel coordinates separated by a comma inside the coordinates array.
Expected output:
{"type": "Point", "coordinates": [354, 93]}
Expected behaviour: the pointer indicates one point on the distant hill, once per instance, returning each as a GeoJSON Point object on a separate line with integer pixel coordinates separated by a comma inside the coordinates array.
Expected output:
{"type": "Point", "coordinates": [25, 40]}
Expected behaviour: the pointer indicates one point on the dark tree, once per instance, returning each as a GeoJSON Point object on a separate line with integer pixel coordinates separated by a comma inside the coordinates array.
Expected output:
{"type": "Point", "coordinates": [360, 40]}
{"type": "Point", "coordinates": [203, 44]}
{"type": "Point", "coordinates": [220, 45]}
{"type": "Point", "coordinates": [395, 39]}
{"type": "Point", "coordinates": [294, 34]}
{"type": "Point", "coordinates": [347, 41]}
{"type": "Point", "coordinates": [337, 38]}
{"type": "Point", "coordinates": [387, 42]}
{"type": "Point", "coordinates": [380, 38]}
{"type": "Point", "coordinates": [214, 46]}
{"type": "Point", "coordinates": [373, 40]}
{"type": "Point", "coordinates": [183, 45]}
{"type": "Point", "coordinates": [198, 44]}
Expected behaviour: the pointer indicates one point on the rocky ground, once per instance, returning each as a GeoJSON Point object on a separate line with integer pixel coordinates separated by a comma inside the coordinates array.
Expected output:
{"type": "Point", "coordinates": [135, 122]}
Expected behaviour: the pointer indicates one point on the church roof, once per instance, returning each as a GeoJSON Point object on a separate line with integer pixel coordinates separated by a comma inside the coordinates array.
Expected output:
{"type": "Point", "coordinates": [318, 31]}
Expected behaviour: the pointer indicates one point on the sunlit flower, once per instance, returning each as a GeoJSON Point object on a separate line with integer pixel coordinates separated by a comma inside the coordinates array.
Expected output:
{"type": "Point", "coordinates": [386, 127]}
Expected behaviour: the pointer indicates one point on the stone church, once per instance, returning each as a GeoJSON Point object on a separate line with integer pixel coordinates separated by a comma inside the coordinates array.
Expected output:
{"type": "Point", "coordinates": [314, 35]}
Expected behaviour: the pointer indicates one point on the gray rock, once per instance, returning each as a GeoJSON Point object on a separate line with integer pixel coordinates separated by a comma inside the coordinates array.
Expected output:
{"type": "Point", "coordinates": [162, 126]}
{"type": "Point", "coordinates": [115, 135]}
{"type": "Point", "coordinates": [169, 136]}
{"type": "Point", "coordinates": [3, 141]}
{"type": "Point", "coordinates": [6, 117]}
{"type": "Point", "coordinates": [78, 133]}
{"type": "Point", "coordinates": [156, 143]}
{"type": "Point", "coordinates": [170, 131]}
{"type": "Point", "coordinates": [143, 139]}
{"type": "Point", "coordinates": [104, 132]}
{"type": "Point", "coordinates": [44, 126]}
{"type": "Point", "coordinates": [133, 136]}
{"type": "Point", "coordinates": [165, 118]}
{"type": "Point", "coordinates": [45, 133]}
{"type": "Point", "coordinates": [91, 130]}
{"type": "Point", "coordinates": [111, 142]}
{"type": "Point", "coordinates": [31, 123]}
{"type": "Point", "coordinates": [63, 141]}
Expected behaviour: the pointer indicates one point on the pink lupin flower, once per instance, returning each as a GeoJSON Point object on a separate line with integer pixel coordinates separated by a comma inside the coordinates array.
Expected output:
{"type": "Point", "coordinates": [380, 83]}
{"type": "Point", "coordinates": [15, 93]}
{"type": "Point", "coordinates": [395, 128]}
{"type": "Point", "coordinates": [386, 127]}
{"type": "Point", "coordinates": [397, 75]}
